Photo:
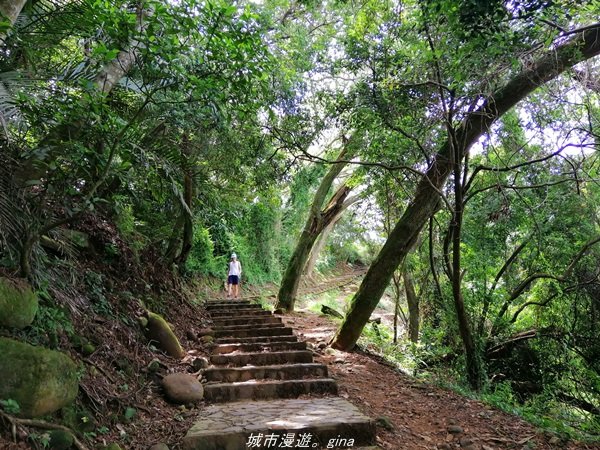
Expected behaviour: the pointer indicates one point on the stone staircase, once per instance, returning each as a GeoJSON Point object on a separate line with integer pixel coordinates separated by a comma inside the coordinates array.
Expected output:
{"type": "Point", "coordinates": [266, 390]}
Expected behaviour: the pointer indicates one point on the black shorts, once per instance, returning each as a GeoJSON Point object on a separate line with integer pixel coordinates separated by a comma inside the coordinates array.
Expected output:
{"type": "Point", "coordinates": [233, 279]}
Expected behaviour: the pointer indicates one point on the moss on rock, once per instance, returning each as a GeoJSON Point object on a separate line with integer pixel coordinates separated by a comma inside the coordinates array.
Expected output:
{"type": "Point", "coordinates": [18, 303]}
{"type": "Point", "coordinates": [61, 440]}
{"type": "Point", "coordinates": [40, 380]}
{"type": "Point", "coordinates": [160, 331]}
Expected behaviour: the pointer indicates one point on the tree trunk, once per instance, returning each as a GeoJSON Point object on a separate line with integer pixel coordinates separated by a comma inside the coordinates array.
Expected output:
{"type": "Point", "coordinates": [413, 307]}
{"type": "Point", "coordinates": [474, 368]}
{"type": "Point", "coordinates": [29, 241]}
{"type": "Point", "coordinates": [396, 306]}
{"type": "Point", "coordinates": [286, 297]}
{"type": "Point", "coordinates": [106, 79]}
{"type": "Point", "coordinates": [174, 241]}
{"type": "Point", "coordinates": [426, 199]}
{"type": "Point", "coordinates": [317, 220]}
{"type": "Point", "coordinates": [188, 223]}
{"type": "Point", "coordinates": [11, 10]}
{"type": "Point", "coordinates": [317, 249]}
{"type": "Point", "coordinates": [322, 240]}
{"type": "Point", "coordinates": [116, 69]}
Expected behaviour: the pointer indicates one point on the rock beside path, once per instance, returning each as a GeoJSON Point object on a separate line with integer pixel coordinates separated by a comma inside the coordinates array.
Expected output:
{"type": "Point", "coordinates": [182, 388]}
{"type": "Point", "coordinates": [41, 381]}
{"type": "Point", "coordinates": [160, 331]}
{"type": "Point", "coordinates": [18, 303]}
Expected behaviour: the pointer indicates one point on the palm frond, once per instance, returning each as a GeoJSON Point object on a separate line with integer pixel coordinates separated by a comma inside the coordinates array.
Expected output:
{"type": "Point", "coordinates": [55, 19]}
{"type": "Point", "coordinates": [13, 212]}
{"type": "Point", "coordinates": [10, 83]}
{"type": "Point", "coordinates": [76, 71]}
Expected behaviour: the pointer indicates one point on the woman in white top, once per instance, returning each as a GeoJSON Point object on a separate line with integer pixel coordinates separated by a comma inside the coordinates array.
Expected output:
{"type": "Point", "coordinates": [233, 276]}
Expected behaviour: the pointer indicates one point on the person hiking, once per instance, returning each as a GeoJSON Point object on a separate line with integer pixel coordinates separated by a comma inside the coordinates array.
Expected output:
{"type": "Point", "coordinates": [233, 276]}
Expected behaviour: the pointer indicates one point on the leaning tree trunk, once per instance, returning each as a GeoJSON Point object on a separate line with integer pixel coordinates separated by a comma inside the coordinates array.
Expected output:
{"type": "Point", "coordinates": [322, 240]}
{"type": "Point", "coordinates": [317, 220]}
{"type": "Point", "coordinates": [318, 247]}
{"type": "Point", "coordinates": [316, 224]}
{"type": "Point", "coordinates": [10, 9]}
{"type": "Point", "coordinates": [105, 81]}
{"type": "Point", "coordinates": [112, 72]}
{"type": "Point", "coordinates": [583, 46]}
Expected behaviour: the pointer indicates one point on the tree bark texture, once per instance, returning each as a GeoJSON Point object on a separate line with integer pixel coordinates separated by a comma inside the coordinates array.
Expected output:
{"type": "Point", "coordinates": [318, 219]}
{"type": "Point", "coordinates": [188, 219]}
{"type": "Point", "coordinates": [413, 307]}
{"type": "Point", "coordinates": [322, 240]}
{"type": "Point", "coordinates": [11, 9]}
{"type": "Point", "coordinates": [581, 47]}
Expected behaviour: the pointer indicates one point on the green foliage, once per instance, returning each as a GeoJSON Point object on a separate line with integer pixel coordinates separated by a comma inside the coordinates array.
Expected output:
{"type": "Point", "coordinates": [96, 292]}
{"type": "Point", "coordinates": [10, 406]}
{"type": "Point", "coordinates": [51, 321]}
{"type": "Point", "coordinates": [129, 414]}
{"type": "Point", "coordinates": [202, 259]}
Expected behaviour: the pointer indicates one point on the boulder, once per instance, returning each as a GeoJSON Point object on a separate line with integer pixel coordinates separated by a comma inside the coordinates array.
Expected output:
{"type": "Point", "coordinates": [41, 381]}
{"type": "Point", "coordinates": [182, 388]}
{"type": "Point", "coordinates": [18, 303]}
{"type": "Point", "coordinates": [160, 331]}
{"type": "Point", "coordinates": [159, 447]}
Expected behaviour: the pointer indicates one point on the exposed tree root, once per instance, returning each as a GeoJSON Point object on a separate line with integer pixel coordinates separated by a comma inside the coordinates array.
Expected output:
{"type": "Point", "coordinates": [14, 421]}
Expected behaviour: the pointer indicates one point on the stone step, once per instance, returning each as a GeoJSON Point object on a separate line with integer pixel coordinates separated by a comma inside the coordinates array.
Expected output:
{"type": "Point", "coordinates": [248, 326]}
{"type": "Point", "coordinates": [226, 299]}
{"type": "Point", "coordinates": [262, 359]}
{"type": "Point", "coordinates": [255, 347]}
{"type": "Point", "coordinates": [228, 313]}
{"type": "Point", "coordinates": [275, 372]}
{"type": "Point", "coordinates": [229, 426]}
{"type": "Point", "coordinates": [255, 332]}
{"type": "Point", "coordinates": [253, 390]}
{"type": "Point", "coordinates": [245, 320]}
{"type": "Point", "coordinates": [252, 339]}
{"type": "Point", "coordinates": [231, 305]}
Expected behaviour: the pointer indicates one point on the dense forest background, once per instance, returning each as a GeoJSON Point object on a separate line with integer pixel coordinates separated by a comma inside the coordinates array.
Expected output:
{"type": "Point", "coordinates": [450, 146]}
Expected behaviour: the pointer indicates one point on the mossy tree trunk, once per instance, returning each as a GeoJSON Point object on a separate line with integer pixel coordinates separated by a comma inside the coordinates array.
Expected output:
{"type": "Point", "coordinates": [318, 219]}
{"type": "Point", "coordinates": [425, 202]}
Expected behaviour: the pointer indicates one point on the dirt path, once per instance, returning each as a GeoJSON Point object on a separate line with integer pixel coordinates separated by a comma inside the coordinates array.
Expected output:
{"type": "Point", "coordinates": [421, 416]}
